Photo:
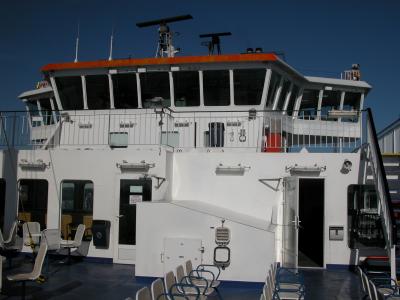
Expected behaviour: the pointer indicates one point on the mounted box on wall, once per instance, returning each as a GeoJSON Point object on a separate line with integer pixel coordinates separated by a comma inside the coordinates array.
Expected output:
{"type": "Point", "coordinates": [336, 233]}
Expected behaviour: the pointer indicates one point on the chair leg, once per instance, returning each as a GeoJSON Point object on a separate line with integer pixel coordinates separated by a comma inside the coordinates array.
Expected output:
{"type": "Point", "coordinates": [218, 293]}
{"type": "Point", "coordinates": [23, 290]}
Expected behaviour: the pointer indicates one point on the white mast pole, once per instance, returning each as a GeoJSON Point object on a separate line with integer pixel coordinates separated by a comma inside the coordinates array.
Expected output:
{"type": "Point", "coordinates": [77, 45]}
{"type": "Point", "coordinates": [111, 44]}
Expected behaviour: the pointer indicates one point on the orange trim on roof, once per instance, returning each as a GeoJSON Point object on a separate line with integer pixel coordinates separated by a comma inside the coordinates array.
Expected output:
{"type": "Point", "coordinates": [160, 61]}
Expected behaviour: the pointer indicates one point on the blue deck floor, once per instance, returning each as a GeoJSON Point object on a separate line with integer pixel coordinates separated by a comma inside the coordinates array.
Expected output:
{"type": "Point", "coordinates": [88, 280]}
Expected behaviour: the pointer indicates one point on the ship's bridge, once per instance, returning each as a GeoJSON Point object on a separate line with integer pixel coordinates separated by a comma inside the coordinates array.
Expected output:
{"type": "Point", "coordinates": [243, 98]}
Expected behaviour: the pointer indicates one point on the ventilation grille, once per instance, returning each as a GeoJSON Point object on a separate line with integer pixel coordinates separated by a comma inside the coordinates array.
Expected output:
{"type": "Point", "coordinates": [222, 236]}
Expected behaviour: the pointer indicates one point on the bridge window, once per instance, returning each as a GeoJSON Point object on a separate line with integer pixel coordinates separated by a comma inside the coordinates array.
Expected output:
{"type": "Point", "coordinates": [330, 101]}
{"type": "Point", "coordinates": [77, 206]}
{"type": "Point", "coordinates": [216, 87]}
{"type": "Point", "coordinates": [309, 104]}
{"type": "Point", "coordinates": [33, 201]}
{"type": "Point", "coordinates": [273, 87]}
{"type": "Point", "coordinates": [292, 100]}
{"type": "Point", "coordinates": [70, 92]}
{"type": "Point", "coordinates": [248, 85]}
{"type": "Point", "coordinates": [364, 221]}
{"type": "Point", "coordinates": [97, 90]}
{"type": "Point", "coordinates": [46, 111]}
{"type": "Point", "coordinates": [125, 90]}
{"type": "Point", "coordinates": [36, 120]}
{"type": "Point", "coordinates": [186, 88]}
{"type": "Point", "coordinates": [155, 89]}
{"type": "Point", "coordinates": [284, 92]}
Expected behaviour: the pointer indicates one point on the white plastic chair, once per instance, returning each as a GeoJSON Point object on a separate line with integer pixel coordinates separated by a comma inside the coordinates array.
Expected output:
{"type": "Point", "coordinates": [143, 294]}
{"type": "Point", "coordinates": [36, 272]}
{"type": "Point", "coordinates": [76, 242]}
{"type": "Point", "coordinates": [31, 234]}
{"type": "Point", "coordinates": [157, 290]}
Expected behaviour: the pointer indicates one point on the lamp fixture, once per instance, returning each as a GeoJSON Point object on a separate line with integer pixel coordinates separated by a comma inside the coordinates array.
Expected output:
{"type": "Point", "coordinates": [231, 170]}
{"type": "Point", "coordinates": [142, 167]}
{"type": "Point", "coordinates": [305, 169]}
{"type": "Point", "coordinates": [38, 165]}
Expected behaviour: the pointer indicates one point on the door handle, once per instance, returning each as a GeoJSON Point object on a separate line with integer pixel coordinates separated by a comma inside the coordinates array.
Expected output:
{"type": "Point", "coordinates": [120, 216]}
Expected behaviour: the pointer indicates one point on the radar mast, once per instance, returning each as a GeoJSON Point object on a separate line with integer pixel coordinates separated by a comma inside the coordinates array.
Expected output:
{"type": "Point", "coordinates": [215, 41]}
{"type": "Point", "coordinates": [165, 47]}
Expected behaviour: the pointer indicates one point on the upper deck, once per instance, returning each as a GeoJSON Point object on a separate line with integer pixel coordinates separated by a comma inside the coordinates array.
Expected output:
{"type": "Point", "coordinates": [245, 92]}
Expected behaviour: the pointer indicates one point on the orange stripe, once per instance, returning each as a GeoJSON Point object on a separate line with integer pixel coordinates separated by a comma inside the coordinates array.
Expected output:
{"type": "Point", "coordinates": [160, 61]}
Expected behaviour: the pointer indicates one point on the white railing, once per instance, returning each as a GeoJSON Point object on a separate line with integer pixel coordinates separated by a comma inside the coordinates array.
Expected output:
{"type": "Point", "coordinates": [382, 190]}
{"type": "Point", "coordinates": [269, 131]}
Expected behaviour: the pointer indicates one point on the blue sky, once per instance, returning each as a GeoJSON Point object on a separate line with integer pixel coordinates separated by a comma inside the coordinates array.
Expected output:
{"type": "Point", "coordinates": [319, 38]}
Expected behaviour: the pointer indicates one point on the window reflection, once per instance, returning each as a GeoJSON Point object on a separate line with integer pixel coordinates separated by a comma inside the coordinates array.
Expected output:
{"type": "Point", "coordinates": [155, 89]}
{"type": "Point", "coordinates": [70, 92]}
{"type": "Point", "coordinates": [309, 104]}
{"type": "Point", "coordinates": [248, 84]}
{"type": "Point", "coordinates": [125, 90]}
{"type": "Point", "coordinates": [330, 101]}
{"type": "Point", "coordinates": [77, 206]}
{"type": "Point", "coordinates": [216, 87]}
{"type": "Point", "coordinates": [186, 88]}
{"type": "Point", "coordinates": [97, 90]}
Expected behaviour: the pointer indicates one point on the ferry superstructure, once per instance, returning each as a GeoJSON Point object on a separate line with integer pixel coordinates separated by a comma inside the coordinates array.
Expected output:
{"type": "Point", "coordinates": [237, 160]}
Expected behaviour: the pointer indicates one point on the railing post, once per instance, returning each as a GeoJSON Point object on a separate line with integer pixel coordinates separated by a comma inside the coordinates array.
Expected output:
{"type": "Point", "coordinates": [393, 272]}
{"type": "Point", "coordinates": [13, 130]}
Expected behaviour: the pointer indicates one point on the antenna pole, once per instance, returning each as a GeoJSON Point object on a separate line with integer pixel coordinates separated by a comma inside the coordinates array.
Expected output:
{"type": "Point", "coordinates": [77, 45]}
{"type": "Point", "coordinates": [111, 44]}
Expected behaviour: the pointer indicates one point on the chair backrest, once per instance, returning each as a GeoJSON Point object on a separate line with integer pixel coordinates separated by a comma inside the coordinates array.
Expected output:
{"type": "Point", "coordinates": [1, 239]}
{"type": "Point", "coordinates": [80, 230]}
{"type": "Point", "coordinates": [189, 267]}
{"type": "Point", "coordinates": [169, 281]}
{"type": "Point", "coordinates": [373, 292]}
{"type": "Point", "coordinates": [11, 233]}
{"type": "Point", "coordinates": [180, 273]}
{"type": "Point", "coordinates": [157, 290]}
{"type": "Point", "coordinates": [143, 294]}
{"type": "Point", "coordinates": [360, 272]}
{"type": "Point", "coordinates": [29, 228]}
{"type": "Point", "coordinates": [52, 237]}
{"type": "Point", "coordinates": [37, 268]}
{"type": "Point", "coordinates": [367, 288]}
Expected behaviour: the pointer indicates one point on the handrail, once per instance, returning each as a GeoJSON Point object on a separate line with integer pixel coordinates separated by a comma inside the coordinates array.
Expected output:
{"type": "Point", "coordinates": [381, 184]}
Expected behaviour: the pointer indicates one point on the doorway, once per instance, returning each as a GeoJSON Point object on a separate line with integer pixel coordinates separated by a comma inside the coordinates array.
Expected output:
{"type": "Point", "coordinates": [131, 192]}
{"type": "Point", "coordinates": [311, 215]}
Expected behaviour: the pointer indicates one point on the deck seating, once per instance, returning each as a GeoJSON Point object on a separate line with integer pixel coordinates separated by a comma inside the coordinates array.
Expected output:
{"type": "Point", "coordinates": [283, 283]}
{"type": "Point", "coordinates": [143, 294]}
{"type": "Point", "coordinates": [157, 290]}
{"type": "Point", "coordinates": [75, 243]}
{"type": "Point", "coordinates": [31, 234]}
{"type": "Point", "coordinates": [377, 285]}
{"type": "Point", "coordinates": [36, 272]}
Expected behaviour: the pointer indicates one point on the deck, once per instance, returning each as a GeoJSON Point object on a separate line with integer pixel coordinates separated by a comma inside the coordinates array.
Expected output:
{"type": "Point", "coordinates": [94, 280]}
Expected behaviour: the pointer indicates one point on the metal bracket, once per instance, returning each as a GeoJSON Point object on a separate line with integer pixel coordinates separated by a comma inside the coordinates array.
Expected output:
{"type": "Point", "coordinates": [160, 181]}
{"type": "Point", "coordinates": [265, 182]}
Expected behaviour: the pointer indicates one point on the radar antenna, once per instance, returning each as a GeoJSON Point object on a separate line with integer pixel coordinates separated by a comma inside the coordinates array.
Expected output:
{"type": "Point", "coordinates": [164, 45]}
{"type": "Point", "coordinates": [215, 41]}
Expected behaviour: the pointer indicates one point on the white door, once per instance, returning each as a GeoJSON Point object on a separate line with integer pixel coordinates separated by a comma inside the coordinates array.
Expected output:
{"type": "Point", "coordinates": [290, 222]}
{"type": "Point", "coordinates": [179, 250]}
{"type": "Point", "coordinates": [131, 191]}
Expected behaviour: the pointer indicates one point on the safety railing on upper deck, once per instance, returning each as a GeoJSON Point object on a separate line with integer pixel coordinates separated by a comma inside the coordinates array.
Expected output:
{"type": "Point", "coordinates": [374, 159]}
{"type": "Point", "coordinates": [259, 131]}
